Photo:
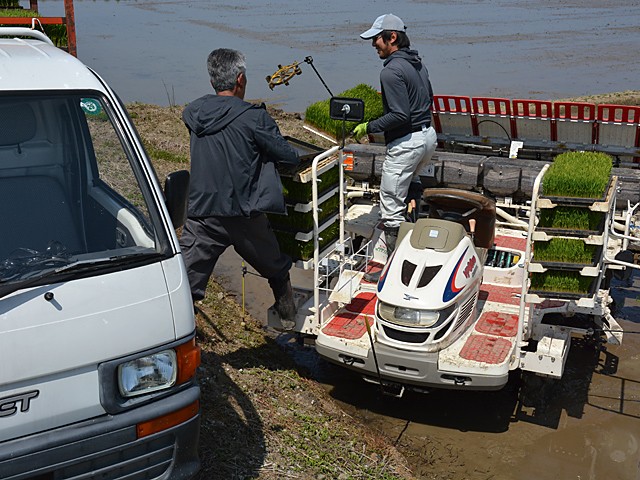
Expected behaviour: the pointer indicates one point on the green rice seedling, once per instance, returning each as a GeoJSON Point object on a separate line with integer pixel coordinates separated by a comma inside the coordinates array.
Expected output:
{"type": "Point", "coordinates": [572, 218]}
{"type": "Point", "coordinates": [57, 33]}
{"type": "Point", "coordinates": [303, 221]}
{"type": "Point", "coordinates": [565, 250]}
{"type": "Point", "coordinates": [557, 281]}
{"type": "Point", "coordinates": [317, 114]}
{"type": "Point", "coordinates": [299, 250]}
{"type": "Point", "coordinates": [297, 192]}
{"type": "Point", "coordinates": [578, 174]}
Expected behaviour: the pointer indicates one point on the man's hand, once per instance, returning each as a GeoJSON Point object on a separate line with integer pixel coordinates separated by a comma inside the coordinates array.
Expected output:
{"type": "Point", "coordinates": [360, 130]}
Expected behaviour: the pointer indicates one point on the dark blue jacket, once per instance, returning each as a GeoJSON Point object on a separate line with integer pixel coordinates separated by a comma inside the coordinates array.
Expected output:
{"type": "Point", "coordinates": [235, 147]}
{"type": "Point", "coordinates": [406, 95]}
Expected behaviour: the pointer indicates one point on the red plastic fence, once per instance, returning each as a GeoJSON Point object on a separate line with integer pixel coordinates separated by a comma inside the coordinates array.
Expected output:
{"type": "Point", "coordinates": [619, 114]}
{"type": "Point", "coordinates": [555, 112]}
{"type": "Point", "coordinates": [574, 112]}
{"type": "Point", "coordinates": [491, 106]}
{"type": "Point", "coordinates": [531, 109]}
{"type": "Point", "coordinates": [451, 104]}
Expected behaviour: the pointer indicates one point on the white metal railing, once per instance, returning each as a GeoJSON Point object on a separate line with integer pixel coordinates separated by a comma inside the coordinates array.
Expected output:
{"type": "Point", "coordinates": [316, 236]}
{"type": "Point", "coordinates": [527, 260]}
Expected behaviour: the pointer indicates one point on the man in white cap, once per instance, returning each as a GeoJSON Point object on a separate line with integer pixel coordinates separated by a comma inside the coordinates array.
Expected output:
{"type": "Point", "coordinates": [406, 121]}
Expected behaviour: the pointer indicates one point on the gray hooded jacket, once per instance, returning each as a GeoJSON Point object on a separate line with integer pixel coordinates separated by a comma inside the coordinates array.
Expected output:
{"type": "Point", "coordinates": [406, 95]}
{"type": "Point", "coordinates": [235, 147]}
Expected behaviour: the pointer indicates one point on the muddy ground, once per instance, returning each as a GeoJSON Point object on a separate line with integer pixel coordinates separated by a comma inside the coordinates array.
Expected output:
{"type": "Point", "coordinates": [273, 409]}
{"type": "Point", "coordinates": [585, 426]}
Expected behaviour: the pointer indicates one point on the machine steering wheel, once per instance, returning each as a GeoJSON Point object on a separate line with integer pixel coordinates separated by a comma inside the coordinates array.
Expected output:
{"type": "Point", "coordinates": [449, 206]}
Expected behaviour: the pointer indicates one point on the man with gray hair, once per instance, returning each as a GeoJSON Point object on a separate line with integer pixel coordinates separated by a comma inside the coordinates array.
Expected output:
{"type": "Point", "coordinates": [235, 148]}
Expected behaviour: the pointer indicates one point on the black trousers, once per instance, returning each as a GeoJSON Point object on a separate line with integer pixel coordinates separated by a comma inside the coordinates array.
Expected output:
{"type": "Point", "coordinates": [204, 239]}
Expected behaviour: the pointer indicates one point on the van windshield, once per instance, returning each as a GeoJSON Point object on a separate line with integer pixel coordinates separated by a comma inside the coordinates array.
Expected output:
{"type": "Point", "coordinates": [70, 188]}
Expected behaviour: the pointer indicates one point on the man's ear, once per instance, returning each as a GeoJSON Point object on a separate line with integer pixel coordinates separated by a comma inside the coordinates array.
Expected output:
{"type": "Point", "coordinates": [242, 79]}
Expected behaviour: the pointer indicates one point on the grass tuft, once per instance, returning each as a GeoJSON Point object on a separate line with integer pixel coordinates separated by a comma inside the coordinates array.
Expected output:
{"type": "Point", "coordinates": [317, 114]}
{"type": "Point", "coordinates": [159, 154]}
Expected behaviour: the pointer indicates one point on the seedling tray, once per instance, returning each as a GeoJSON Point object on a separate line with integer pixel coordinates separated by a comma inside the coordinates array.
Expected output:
{"type": "Point", "coordinates": [566, 253]}
{"type": "Point", "coordinates": [306, 151]}
{"type": "Point", "coordinates": [571, 222]}
{"type": "Point", "coordinates": [565, 232]}
{"type": "Point", "coordinates": [303, 249]}
{"type": "Point", "coordinates": [585, 289]}
{"type": "Point", "coordinates": [302, 221]}
{"type": "Point", "coordinates": [602, 204]}
{"type": "Point", "coordinates": [298, 188]}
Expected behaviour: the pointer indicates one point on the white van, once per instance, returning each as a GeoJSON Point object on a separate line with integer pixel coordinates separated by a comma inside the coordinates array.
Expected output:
{"type": "Point", "coordinates": [97, 332]}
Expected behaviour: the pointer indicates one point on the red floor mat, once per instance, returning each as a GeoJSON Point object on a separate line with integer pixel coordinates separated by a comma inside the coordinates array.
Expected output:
{"type": "Point", "coordinates": [349, 322]}
{"type": "Point", "coordinates": [514, 243]}
{"type": "Point", "coordinates": [372, 267]}
{"type": "Point", "coordinates": [498, 323]}
{"type": "Point", "coordinates": [481, 348]}
{"type": "Point", "coordinates": [347, 325]}
{"type": "Point", "coordinates": [500, 294]}
{"type": "Point", "coordinates": [363, 303]}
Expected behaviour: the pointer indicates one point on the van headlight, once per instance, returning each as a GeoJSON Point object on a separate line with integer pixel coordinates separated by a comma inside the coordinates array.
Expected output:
{"type": "Point", "coordinates": [148, 374]}
{"type": "Point", "coordinates": [412, 317]}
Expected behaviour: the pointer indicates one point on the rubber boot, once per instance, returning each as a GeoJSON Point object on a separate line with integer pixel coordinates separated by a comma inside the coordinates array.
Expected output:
{"type": "Point", "coordinates": [391, 237]}
{"type": "Point", "coordinates": [285, 304]}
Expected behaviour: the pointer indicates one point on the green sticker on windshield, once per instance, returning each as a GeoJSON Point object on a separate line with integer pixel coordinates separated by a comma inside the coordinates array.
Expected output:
{"type": "Point", "coordinates": [90, 106]}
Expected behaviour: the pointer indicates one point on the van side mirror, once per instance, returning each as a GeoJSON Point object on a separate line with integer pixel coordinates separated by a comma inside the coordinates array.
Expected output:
{"type": "Point", "coordinates": [176, 191]}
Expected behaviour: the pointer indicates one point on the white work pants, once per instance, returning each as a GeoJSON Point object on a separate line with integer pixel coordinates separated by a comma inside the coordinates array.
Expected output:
{"type": "Point", "coordinates": [407, 157]}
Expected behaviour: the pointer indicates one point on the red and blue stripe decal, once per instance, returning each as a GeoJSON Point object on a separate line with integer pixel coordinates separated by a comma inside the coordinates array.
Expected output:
{"type": "Point", "coordinates": [385, 270]}
{"type": "Point", "coordinates": [450, 291]}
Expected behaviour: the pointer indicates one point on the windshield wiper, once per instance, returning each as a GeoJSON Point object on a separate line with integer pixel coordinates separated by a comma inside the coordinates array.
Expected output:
{"type": "Point", "coordinates": [77, 267]}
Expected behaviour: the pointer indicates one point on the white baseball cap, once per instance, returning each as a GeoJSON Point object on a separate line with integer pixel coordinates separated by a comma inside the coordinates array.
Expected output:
{"type": "Point", "coordinates": [384, 22]}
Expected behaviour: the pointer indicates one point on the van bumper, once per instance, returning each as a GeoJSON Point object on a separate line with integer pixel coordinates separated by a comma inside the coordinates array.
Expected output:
{"type": "Point", "coordinates": [108, 447]}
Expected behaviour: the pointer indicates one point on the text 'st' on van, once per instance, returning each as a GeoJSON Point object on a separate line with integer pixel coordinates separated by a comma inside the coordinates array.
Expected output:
{"type": "Point", "coordinates": [97, 332]}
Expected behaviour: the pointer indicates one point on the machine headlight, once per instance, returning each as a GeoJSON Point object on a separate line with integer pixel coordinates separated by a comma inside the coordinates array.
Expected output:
{"type": "Point", "coordinates": [413, 317]}
{"type": "Point", "coordinates": [148, 374]}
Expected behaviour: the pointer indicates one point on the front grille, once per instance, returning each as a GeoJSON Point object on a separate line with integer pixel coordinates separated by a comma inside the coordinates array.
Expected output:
{"type": "Point", "coordinates": [465, 311]}
{"type": "Point", "coordinates": [442, 331]}
{"type": "Point", "coordinates": [408, 337]}
{"type": "Point", "coordinates": [144, 461]}
{"type": "Point", "coordinates": [110, 456]}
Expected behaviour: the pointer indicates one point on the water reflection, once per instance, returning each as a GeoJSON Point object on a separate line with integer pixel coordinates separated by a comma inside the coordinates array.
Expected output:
{"type": "Point", "coordinates": [155, 50]}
